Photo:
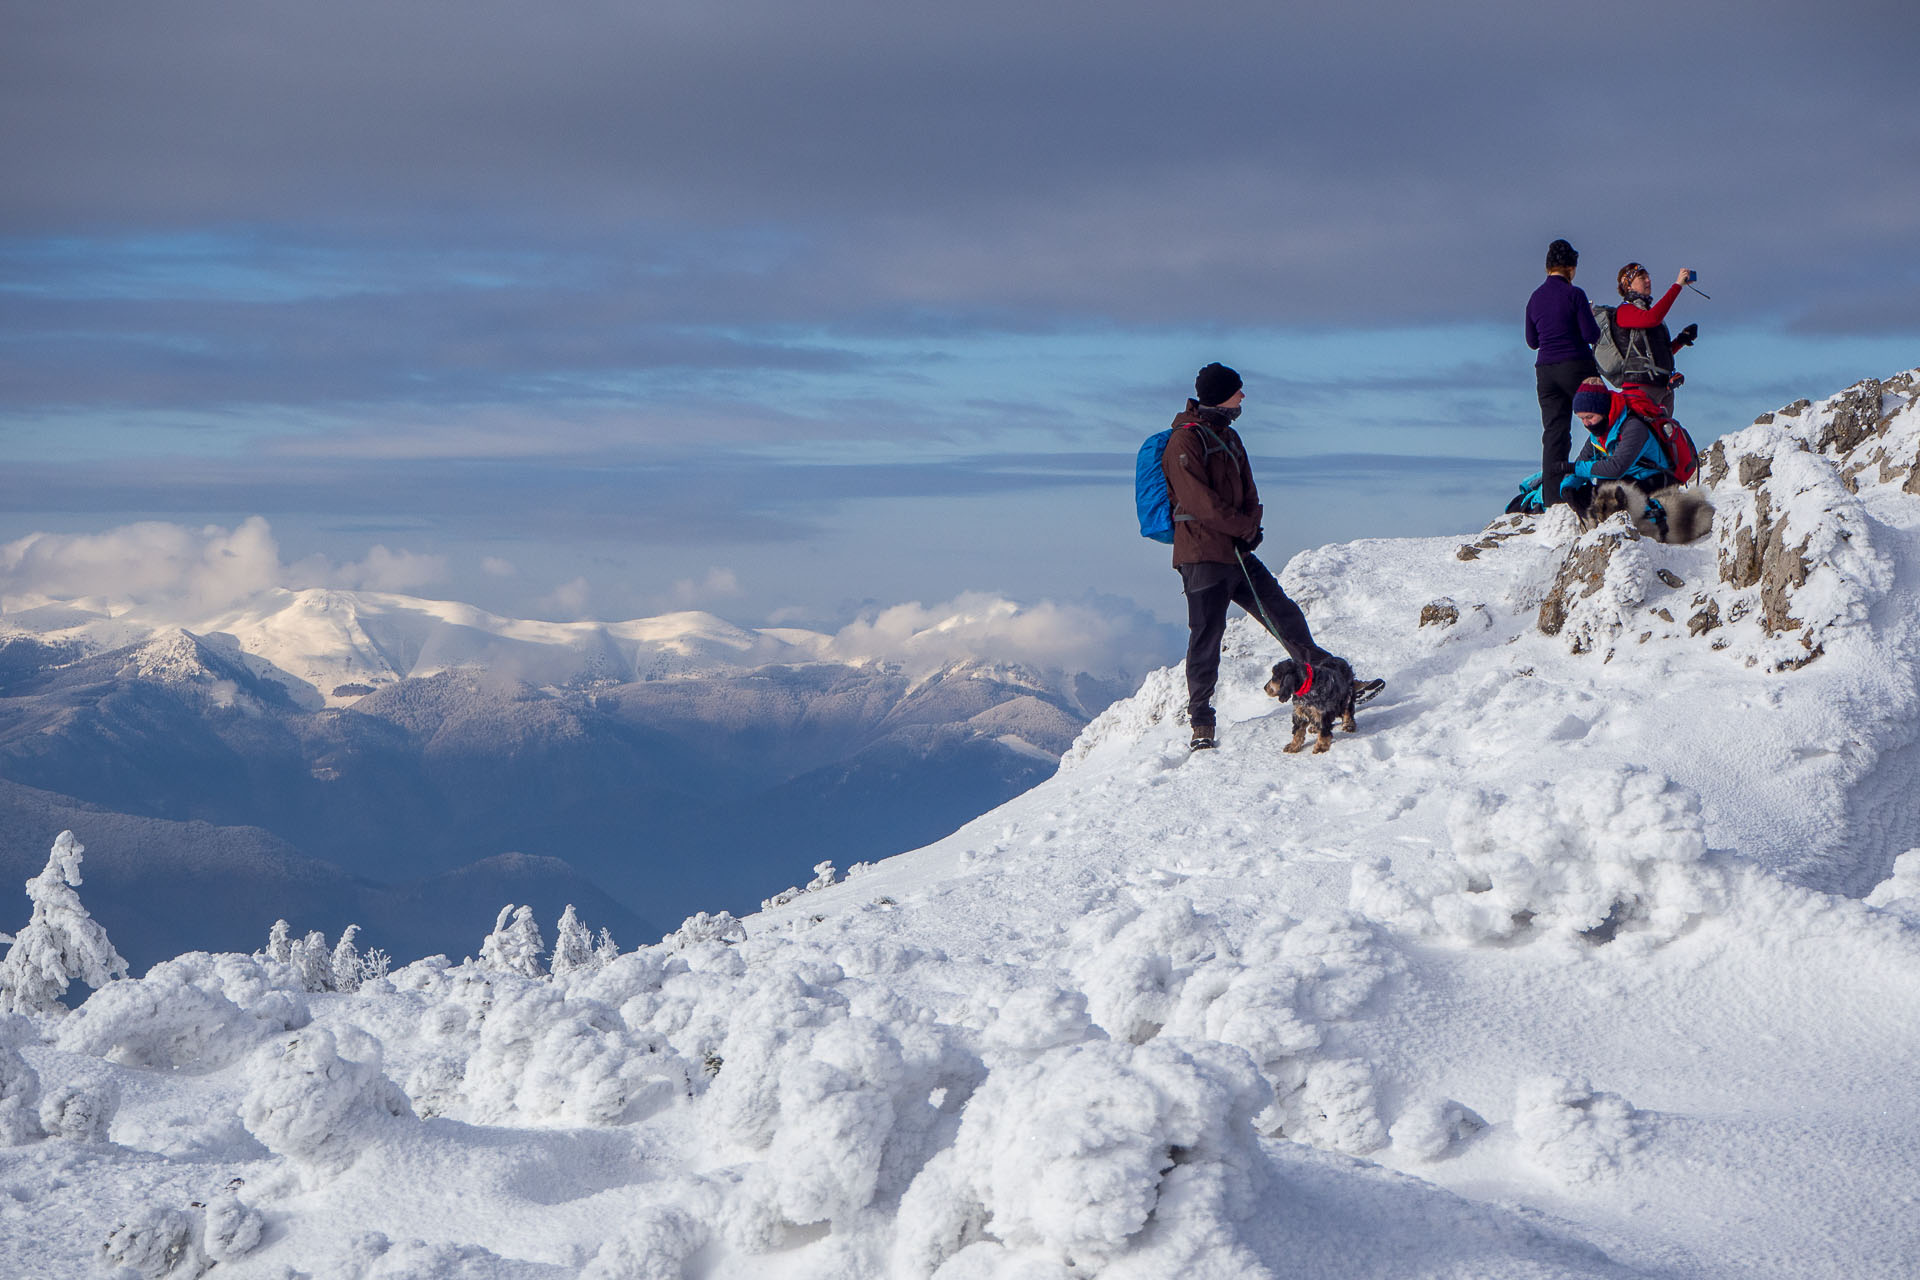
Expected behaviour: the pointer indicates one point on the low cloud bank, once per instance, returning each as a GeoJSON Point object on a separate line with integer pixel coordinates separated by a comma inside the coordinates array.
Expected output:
{"type": "Point", "coordinates": [177, 573]}
{"type": "Point", "coordinates": [1103, 635]}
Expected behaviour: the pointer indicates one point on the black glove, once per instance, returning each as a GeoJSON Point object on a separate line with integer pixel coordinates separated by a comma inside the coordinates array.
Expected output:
{"type": "Point", "coordinates": [1247, 545]}
{"type": "Point", "coordinates": [1686, 336]}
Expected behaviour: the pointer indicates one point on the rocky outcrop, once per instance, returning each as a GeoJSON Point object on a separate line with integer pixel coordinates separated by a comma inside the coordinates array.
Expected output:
{"type": "Point", "coordinates": [1792, 560]}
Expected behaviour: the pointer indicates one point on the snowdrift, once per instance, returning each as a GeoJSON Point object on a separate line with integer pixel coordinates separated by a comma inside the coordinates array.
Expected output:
{"type": "Point", "coordinates": [1593, 953]}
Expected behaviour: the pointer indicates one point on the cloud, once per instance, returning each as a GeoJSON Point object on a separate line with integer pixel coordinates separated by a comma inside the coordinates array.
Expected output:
{"type": "Point", "coordinates": [717, 585]}
{"type": "Point", "coordinates": [167, 569]}
{"type": "Point", "coordinates": [385, 570]}
{"type": "Point", "coordinates": [182, 573]}
{"type": "Point", "coordinates": [1099, 635]}
{"type": "Point", "coordinates": [531, 213]}
{"type": "Point", "coordinates": [569, 599]}
{"type": "Point", "coordinates": [495, 567]}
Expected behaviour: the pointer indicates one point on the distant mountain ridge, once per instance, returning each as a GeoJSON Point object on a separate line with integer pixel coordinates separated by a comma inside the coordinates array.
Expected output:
{"type": "Point", "coordinates": [682, 763]}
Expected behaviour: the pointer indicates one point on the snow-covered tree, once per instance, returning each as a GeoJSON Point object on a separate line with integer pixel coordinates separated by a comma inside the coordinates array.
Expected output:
{"type": "Point", "coordinates": [314, 959]}
{"type": "Point", "coordinates": [60, 943]}
{"type": "Point", "coordinates": [346, 960]}
{"type": "Point", "coordinates": [515, 944]}
{"type": "Point", "coordinates": [280, 942]}
{"type": "Point", "coordinates": [572, 945]}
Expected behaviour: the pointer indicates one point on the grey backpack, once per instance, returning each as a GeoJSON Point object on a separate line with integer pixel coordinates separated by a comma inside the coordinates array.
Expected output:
{"type": "Point", "coordinates": [1610, 352]}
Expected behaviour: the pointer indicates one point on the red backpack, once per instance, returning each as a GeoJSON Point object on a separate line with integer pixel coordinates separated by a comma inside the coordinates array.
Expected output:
{"type": "Point", "coordinates": [1683, 459]}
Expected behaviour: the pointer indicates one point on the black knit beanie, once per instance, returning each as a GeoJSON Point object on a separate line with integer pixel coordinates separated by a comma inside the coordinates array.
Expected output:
{"type": "Point", "coordinates": [1561, 255]}
{"type": "Point", "coordinates": [1215, 385]}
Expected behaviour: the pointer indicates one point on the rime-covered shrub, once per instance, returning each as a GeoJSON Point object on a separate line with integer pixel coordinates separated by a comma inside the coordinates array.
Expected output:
{"type": "Point", "coordinates": [19, 1083]}
{"type": "Point", "coordinates": [835, 1096]}
{"type": "Point", "coordinates": [157, 1244]}
{"type": "Point", "coordinates": [317, 1098]}
{"type": "Point", "coordinates": [1613, 855]}
{"type": "Point", "coordinates": [1572, 1130]}
{"type": "Point", "coordinates": [195, 1012]}
{"type": "Point", "coordinates": [60, 943]}
{"type": "Point", "coordinates": [543, 1058]}
{"type": "Point", "coordinates": [1069, 1155]}
{"type": "Point", "coordinates": [701, 927]}
{"type": "Point", "coordinates": [233, 1229]}
{"type": "Point", "coordinates": [79, 1113]}
{"type": "Point", "coordinates": [1031, 1019]}
{"type": "Point", "coordinates": [654, 1244]}
{"type": "Point", "coordinates": [514, 946]}
{"type": "Point", "coordinates": [1432, 1128]}
{"type": "Point", "coordinates": [375, 1257]}
{"type": "Point", "coordinates": [1273, 990]}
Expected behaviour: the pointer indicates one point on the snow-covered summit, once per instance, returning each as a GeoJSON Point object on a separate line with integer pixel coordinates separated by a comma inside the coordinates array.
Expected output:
{"type": "Point", "coordinates": [1559, 967]}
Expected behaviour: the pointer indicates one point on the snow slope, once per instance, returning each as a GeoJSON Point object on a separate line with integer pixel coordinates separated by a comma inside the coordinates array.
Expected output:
{"type": "Point", "coordinates": [1547, 972]}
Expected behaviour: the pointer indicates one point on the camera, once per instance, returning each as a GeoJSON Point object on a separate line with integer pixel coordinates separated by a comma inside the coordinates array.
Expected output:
{"type": "Point", "coordinates": [1692, 276]}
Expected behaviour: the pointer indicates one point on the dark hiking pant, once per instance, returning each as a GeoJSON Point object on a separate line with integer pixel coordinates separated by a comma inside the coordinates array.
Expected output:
{"type": "Point", "coordinates": [1210, 588]}
{"type": "Point", "coordinates": [1556, 384]}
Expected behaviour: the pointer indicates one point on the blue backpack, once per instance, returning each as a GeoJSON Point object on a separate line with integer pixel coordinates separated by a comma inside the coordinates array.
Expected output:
{"type": "Point", "coordinates": [1150, 496]}
{"type": "Point", "coordinates": [1151, 500]}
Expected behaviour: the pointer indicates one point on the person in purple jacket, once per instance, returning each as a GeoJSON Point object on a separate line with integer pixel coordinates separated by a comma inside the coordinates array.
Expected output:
{"type": "Point", "coordinates": [1561, 327]}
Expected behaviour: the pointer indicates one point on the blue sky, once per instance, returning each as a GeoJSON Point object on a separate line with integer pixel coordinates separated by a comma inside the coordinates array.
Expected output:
{"type": "Point", "coordinates": [787, 311]}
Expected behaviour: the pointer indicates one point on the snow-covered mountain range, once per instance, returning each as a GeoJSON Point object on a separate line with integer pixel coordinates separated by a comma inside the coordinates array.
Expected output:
{"type": "Point", "coordinates": [330, 648]}
{"type": "Point", "coordinates": [1595, 952]}
{"type": "Point", "coordinates": [345, 750]}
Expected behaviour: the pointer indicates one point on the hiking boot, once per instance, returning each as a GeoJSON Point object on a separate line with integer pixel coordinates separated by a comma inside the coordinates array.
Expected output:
{"type": "Point", "coordinates": [1202, 738]}
{"type": "Point", "coordinates": [1365, 691]}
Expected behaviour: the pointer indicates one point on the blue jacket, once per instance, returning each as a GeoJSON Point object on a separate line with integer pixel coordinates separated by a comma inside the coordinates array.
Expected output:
{"type": "Point", "coordinates": [1630, 451]}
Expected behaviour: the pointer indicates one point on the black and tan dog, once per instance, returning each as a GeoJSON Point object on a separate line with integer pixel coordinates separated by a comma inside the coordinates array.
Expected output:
{"type": "Point", "coordinates": [1672, 514]}
{"type": "Point", "coordinates": [1320, 695]}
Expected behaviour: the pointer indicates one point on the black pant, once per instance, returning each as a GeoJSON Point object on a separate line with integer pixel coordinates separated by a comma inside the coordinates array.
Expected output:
{"type": "Point", "coordinates": [1210, 588]}
{"type": "Point", "coordinates": [1556, 384]}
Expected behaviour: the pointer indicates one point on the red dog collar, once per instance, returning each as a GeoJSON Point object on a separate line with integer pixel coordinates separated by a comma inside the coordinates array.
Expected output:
{"type": "Point", "coordinates": [1301, 692]}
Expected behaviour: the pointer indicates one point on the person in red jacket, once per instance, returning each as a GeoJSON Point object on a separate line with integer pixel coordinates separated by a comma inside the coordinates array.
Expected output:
{"type": "Point", "coordinates": [1649, 348]}
{"type": "Point", "coordinates": [1216, 526]}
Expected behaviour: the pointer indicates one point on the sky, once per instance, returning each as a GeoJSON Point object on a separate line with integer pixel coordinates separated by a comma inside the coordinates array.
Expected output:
{"type": "Point", "coordinates": [798, 312]}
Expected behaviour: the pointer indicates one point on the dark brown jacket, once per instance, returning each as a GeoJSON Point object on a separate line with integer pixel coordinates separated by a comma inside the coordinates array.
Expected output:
{"type": "Point", "coordinates": [1210, 482]}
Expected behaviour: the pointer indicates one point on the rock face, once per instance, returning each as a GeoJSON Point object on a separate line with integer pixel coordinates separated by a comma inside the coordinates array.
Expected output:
{"type": "Point", "coordinates": [1581, 576]}
{"type": "Point", "coordinates": [1793, 559]}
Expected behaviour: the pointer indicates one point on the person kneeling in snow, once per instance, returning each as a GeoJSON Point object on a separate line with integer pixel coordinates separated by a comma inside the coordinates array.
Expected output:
{"type": "Point", "coordinates": [1620, 445]}
{"type": "Point", "coordinates": [1216, 526]}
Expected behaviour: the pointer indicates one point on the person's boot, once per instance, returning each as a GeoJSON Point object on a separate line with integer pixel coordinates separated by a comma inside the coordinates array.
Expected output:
{"type": "Point", "coordinates": [1203, 739]}
{"type": "Point", "coordinates": [1365, 691]}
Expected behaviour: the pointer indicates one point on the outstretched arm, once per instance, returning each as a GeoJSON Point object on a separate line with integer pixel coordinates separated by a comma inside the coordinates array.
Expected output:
{"type": "Point", "coordinates": [1631, 317]}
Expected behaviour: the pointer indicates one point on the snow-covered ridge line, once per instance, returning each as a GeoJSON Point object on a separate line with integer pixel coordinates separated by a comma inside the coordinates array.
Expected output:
{"type": "Point", "coordinates": [332, 647]}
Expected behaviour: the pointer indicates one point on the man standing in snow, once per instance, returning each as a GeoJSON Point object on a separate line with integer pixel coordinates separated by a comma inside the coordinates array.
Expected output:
{"type": "Point", "coordinates": [1216, 526]}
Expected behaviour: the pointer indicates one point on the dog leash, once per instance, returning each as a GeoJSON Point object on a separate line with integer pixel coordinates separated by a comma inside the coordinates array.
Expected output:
{"type": "Point", "coordinates": [1266, 621]}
